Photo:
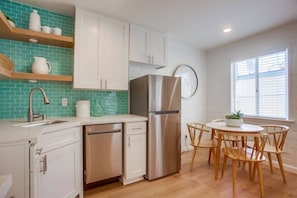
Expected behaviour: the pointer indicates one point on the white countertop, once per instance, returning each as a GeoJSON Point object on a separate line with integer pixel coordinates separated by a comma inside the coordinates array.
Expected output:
{"type": "Point", "coordinates": [11, 133]}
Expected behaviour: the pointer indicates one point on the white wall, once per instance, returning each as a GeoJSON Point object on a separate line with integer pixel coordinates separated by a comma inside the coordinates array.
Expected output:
{"type": "Point", "coordinates": [194, 108]}
{"type": "Point", "coordinates": [218, 78]}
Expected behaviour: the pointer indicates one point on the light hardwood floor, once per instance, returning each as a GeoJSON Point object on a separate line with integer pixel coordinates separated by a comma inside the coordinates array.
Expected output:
{"type": "Point", "coordinates": [200, 183]}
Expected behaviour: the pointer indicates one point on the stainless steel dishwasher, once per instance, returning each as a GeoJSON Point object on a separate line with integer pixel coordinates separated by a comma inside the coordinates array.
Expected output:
{"type": "Point", "coordinates": [102, 154]}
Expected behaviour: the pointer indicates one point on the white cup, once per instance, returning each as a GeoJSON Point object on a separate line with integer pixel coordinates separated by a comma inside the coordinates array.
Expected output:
{"type": "Point", "coordinates": [46, 29]}
{"type": "Point", "coordinates": [57, 31]}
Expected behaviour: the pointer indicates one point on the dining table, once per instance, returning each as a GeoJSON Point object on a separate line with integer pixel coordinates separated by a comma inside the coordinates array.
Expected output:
{"type": "Point", "coordinates": [221, 127]}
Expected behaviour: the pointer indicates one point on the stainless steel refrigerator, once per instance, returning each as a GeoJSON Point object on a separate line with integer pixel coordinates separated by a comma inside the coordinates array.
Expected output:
{"type": "Point", "coordinates": [159, 98]}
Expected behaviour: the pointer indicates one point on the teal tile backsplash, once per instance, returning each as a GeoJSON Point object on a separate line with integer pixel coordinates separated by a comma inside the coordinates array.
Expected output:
{"type": "Point", "coordinates": [14, 94]}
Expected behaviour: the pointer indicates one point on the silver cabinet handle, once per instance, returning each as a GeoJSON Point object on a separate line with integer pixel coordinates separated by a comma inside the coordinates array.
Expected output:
{"type": "Point", "coordinates": [137, 128]}
{"type": "Point", "coordinates": [100, 83]}
{"type": "Point", "coordinates": [152, 58]}
{"type": "Point", "coordinates": [149, 59]}
{"type": "Point", "coordinates": [129, 143]}
{"type": "Point", "coordinates": [105, 83]}
{"type": "Point", "coordinates": [44, 164]}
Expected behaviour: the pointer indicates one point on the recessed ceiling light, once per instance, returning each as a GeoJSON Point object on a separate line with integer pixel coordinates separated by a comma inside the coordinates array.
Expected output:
{"type": "Point", "coordinates": [227, 30]}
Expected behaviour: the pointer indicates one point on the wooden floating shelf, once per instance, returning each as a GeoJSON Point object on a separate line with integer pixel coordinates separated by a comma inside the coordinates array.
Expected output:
{"type": "Point", "coordinates": [14, 33]}
{"type": "Point", "coordinates": [19, 34]}
{"type": "Point", "coordinates": [5, 74]}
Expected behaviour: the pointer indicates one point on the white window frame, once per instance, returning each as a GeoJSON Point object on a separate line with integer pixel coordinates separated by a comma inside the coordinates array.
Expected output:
{"type": "Point", "coordinates": [233, 86]}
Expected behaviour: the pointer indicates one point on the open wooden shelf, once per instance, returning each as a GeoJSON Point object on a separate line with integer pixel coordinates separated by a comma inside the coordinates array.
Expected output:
{"type": "Point", "coordinates": [14, 33]}
{"type": "Point", "coordinates": [19, 34]}
{"type": "Point", "coordinates": [5, 74]}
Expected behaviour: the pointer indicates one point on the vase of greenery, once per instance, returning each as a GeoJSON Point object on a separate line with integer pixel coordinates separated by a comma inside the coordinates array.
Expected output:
{"type": "Point", "coordinates": [234, 119]}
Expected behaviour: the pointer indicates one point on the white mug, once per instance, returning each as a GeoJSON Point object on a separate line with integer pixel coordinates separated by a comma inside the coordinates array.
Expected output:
{"type": "Point", "coordinates": [46, 29]}
{"type": "Point", "coordinates": [57, 31]}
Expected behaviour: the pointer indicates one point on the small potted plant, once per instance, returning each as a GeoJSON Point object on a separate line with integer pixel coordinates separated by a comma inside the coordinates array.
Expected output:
{"type": "Point", "coordinates": [234, 119]}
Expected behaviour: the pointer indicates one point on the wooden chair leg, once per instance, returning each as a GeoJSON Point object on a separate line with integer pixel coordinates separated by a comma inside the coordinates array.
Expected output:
{"type": "Point", "coordinates": [224, 165]}
{"type": "Point", "coordinates": [193, 158]}
{"type": "Point", "coordinates": [251, 172]}
{"type": "Point", "coordinates": [270, 162]}
{"type": "Point", "coordinates": [254, 171]}
{"type": "Point", "coordinates": [259, 170]}
{"type": "Point", "coordinates": [234, 176]}
{"type": "Point", "coordinates": [214, 155]}
{"type": "Point", "coordinates": [209, 155]}
{"type": "Point", "coordinates": [281, 167]}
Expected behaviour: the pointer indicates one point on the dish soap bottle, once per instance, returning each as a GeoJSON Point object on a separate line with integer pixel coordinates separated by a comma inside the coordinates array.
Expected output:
{"type": "Point", "coordinates": [34, 21]}
{"type": "Point", "coordinates": [96, 109]}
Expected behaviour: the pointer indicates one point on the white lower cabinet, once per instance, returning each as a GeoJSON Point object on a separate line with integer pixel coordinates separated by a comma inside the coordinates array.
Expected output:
{"type": "Point", "coordinates": [134, 152]}
{"type": "Point", "coordinates": [14, 161]}
{"type": "Point", "coordinates": [58, 159]}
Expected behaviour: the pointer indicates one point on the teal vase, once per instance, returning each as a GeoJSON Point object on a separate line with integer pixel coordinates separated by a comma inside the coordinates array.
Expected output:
{"type": "Point", "coordinates": [96, 109]}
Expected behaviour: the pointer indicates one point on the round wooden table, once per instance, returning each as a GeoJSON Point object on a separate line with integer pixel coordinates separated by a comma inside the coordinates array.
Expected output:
{"type": "Point", "coordinates": [222, 127]}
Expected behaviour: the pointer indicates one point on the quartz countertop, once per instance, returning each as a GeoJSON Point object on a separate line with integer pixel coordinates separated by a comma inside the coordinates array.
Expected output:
{"type": "Point", "coordinates": [11, 131]}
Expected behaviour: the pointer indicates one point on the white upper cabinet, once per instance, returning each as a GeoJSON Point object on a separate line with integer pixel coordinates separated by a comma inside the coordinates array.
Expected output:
{"type": "Point", "coordinates": [147, 46]}
{"type": "Point", "coordinates": [100, 52]}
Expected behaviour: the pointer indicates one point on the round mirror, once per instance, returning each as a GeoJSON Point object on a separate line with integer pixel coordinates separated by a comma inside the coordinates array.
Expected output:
{"type": "Point", "coordinates": [189, 80]}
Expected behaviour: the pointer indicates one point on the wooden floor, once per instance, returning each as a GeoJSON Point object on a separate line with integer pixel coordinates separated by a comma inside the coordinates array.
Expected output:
{"type": "Point", "coordinates": [200, 183]}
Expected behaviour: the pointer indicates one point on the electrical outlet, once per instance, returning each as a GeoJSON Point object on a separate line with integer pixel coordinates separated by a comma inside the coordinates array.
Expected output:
{"type": "Point", "coordinates": [64, 102]}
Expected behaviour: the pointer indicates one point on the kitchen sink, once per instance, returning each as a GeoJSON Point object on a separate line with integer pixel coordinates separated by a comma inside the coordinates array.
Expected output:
{"type": "Point", "coordinates": [40, 123]}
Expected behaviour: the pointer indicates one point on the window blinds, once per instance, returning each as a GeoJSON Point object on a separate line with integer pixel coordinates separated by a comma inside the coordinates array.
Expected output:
{"type": "Point", "coordinates": [260, 85]}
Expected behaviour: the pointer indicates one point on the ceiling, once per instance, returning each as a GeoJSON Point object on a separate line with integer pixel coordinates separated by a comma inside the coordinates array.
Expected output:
{"type": "Point", "coordinates": [196, 23]}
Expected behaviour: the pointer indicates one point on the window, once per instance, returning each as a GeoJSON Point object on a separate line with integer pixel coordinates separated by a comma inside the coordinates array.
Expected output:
{"type": "Point", "coordinates": [259, 86]}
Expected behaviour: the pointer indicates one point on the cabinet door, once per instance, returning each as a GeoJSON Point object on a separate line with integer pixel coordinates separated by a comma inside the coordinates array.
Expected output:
{"type": "Point", "coordinates": [87, 54]}
{"type": "Point", "coordinates": [158, 48]}
{"type": "Point", "coordinates": [15, 161]}
{"type": "Point", "coordinates": [135, 155]}
{"type": "Point", "coordinates": [115, 54]}
{"type": "Point", "coordinates": [138, 44]}
{"type": "Point", "coordinates": [62, 176]}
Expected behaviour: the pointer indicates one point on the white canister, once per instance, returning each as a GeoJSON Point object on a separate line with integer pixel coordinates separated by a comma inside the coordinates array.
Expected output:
{"type": "Point", "coordinates": [83, 108]}
{"type": "Point", "coordinates": [34, 21]}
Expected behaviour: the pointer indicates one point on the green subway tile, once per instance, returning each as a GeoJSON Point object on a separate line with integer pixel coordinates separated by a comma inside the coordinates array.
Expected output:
{"type": "Point", "coordinates": [14, 94]}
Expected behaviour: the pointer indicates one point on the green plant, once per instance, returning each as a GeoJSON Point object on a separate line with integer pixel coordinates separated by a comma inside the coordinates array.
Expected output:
{"type": "Point", "coordinates": [236, 115]}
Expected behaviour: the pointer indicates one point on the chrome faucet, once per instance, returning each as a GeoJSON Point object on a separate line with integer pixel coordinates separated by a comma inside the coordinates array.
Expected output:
{"type": "Point", "coordinates": [31, 114]}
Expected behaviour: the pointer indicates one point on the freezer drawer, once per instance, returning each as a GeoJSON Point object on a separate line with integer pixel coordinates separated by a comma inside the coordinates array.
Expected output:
{"type": "Point", "coordinates": [164, 145]}
{"type": "Point", "coordinates": [102, 152]}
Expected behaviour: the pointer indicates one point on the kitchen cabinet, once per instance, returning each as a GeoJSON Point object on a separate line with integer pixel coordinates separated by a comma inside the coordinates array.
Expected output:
{"type": "Point", "coordinates": [100, 52]}
{"type": "Point", "coordinates": [147, 46]}
{"type": "Point", "coordinates": [58, 164]}
{"type": "Point", "coordinates": [134, 152]}
{"type": "Point", "coordinates": [15, 161]}
{"type": "Point", "coordinates": [19, 34]}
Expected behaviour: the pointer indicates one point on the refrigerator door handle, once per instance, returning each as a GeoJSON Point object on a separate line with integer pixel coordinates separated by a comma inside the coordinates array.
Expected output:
{"type": "Point", "coordinates": [164, 112]}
